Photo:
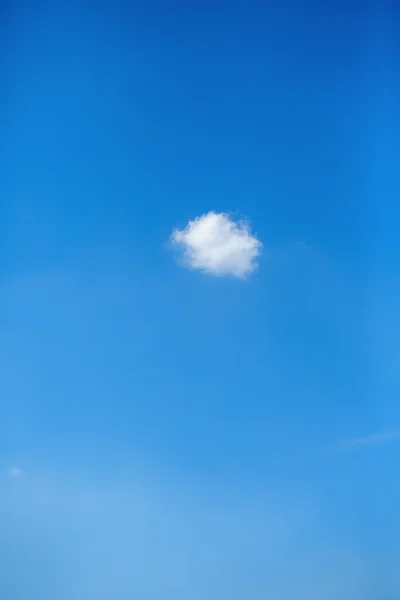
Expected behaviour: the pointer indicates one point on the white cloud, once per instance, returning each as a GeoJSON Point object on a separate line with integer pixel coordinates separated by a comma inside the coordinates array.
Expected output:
{"type": "Point", "coordinates": [217, 245]}
{"type": "Point", "coordinates": [373, 439]}
{"type": "Point", "coordinates": [15, 472]}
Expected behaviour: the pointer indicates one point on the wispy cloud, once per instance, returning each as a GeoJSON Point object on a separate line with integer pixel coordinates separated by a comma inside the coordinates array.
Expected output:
{"type": "Point", "coordinates": [217, 245]}
{"type": "Point", "coordinates": [378, 438]}
{"type": "Point", "coordinates": [15, 472]}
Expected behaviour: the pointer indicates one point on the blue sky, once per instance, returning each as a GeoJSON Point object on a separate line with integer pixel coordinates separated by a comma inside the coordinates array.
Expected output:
{"type": "Point", "coordinates": [199, 297]}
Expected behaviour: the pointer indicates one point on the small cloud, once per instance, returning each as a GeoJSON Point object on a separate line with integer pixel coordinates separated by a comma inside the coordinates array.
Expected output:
{"type": "Point", "coordinates": [15, 472]}
{"type": "Point", "coordinates": [217, 245]}
{"type": "Point", "coordinates": [373, 439]}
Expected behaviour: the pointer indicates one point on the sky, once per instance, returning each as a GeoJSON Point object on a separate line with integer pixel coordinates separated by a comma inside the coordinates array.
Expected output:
{"type": "Point", "coordinates": [199, 289]}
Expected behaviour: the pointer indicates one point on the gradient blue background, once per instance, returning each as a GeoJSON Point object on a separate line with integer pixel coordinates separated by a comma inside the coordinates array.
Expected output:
{"type": "Point", "coordinates": [181, 435]}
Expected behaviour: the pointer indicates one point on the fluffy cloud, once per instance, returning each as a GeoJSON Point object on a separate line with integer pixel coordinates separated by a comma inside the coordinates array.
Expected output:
{"type": "Point", "coordinates": [217, 245]}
